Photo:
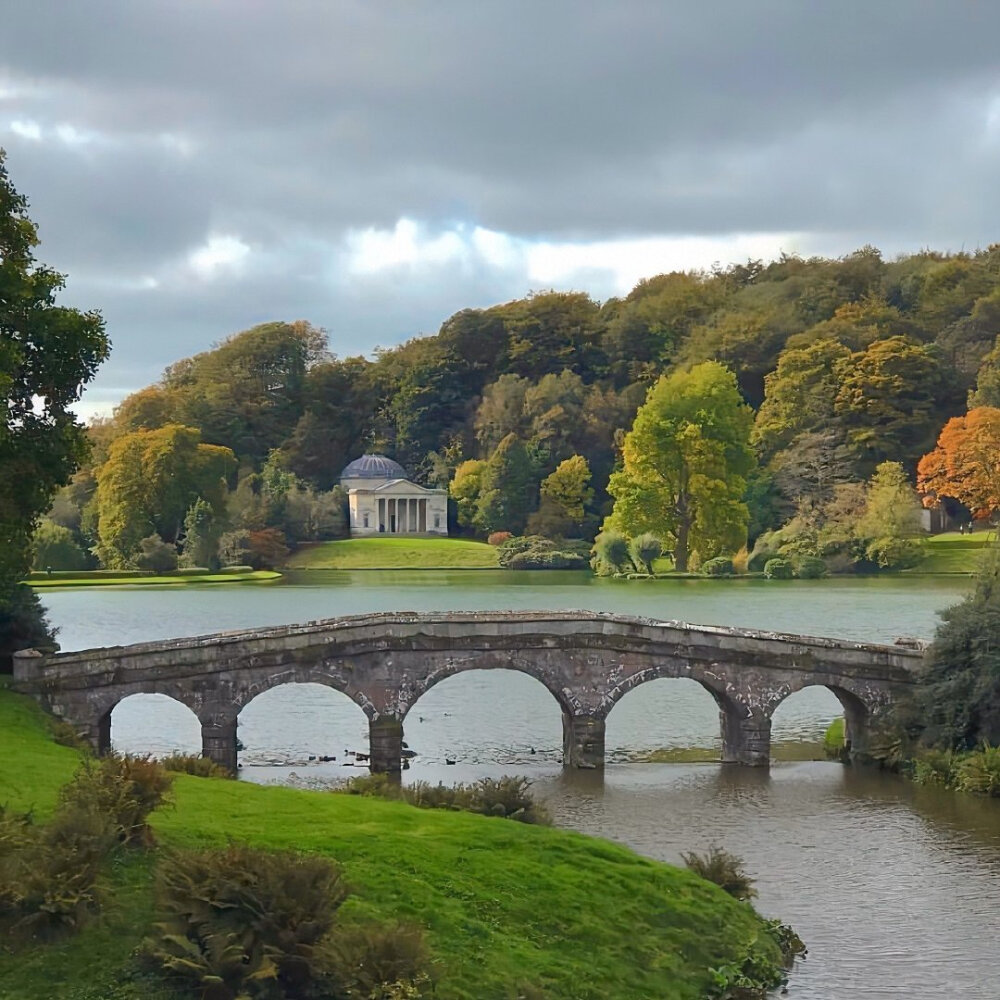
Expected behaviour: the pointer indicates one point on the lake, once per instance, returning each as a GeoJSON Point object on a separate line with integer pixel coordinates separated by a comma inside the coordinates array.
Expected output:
{"type": "Point", "coordinates": [895, 888]}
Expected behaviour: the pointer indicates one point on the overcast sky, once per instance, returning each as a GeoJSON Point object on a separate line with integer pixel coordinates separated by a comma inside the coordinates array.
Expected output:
{"type": "Point", "coordinates": [199, 166]}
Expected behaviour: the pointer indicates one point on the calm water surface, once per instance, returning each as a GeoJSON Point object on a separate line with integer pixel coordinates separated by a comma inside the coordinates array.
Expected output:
{"type": "Point", "coordinates": [895, 888]}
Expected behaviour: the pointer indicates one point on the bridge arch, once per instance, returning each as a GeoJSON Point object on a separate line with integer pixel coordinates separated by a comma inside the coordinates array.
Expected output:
{"type": "Point", "coordinates": [104, 708]}
{"type": "Point", "coordinates": [450, 666]}
{"type": "Point", "coordinates": [859, 706]}
{"type": "Point", "coordinates": [318, 720]}
{"type": "Point", "coordinates": [663, 712]}
{"type": "Point", "coordinates": [256, 682]}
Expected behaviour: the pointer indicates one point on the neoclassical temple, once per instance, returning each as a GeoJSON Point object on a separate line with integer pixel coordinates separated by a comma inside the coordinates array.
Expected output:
{"type": "Point", "coordinates": [383, 501]}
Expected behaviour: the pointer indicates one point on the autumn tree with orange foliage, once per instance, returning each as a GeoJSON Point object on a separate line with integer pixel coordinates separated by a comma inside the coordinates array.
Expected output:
{"type": "Point", "coordinates": [965, 465]}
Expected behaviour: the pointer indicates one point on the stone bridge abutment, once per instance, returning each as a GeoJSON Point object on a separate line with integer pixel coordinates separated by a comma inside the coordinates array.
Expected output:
{"type": "Point", "coordinates": [386, 663]}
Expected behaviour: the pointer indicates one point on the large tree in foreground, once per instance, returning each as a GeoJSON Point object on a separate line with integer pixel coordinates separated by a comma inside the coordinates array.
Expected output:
{"type": "Point", "coordinates": [686, 461]}
{"type": "Point", "coordinates": [47, 353]}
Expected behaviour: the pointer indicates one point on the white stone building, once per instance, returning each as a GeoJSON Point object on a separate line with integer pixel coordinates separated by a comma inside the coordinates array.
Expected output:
{"type": "Point", "coordinates": [383, 501]}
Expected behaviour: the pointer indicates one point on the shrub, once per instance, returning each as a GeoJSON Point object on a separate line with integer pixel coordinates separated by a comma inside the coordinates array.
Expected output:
{"type": "Point", "coordinates": [200, 767]}
{"type": "Point", "coordinates": [380, 962]}
{"type": "Point", "coordinates": [508, 798]}
{"type": "Point", "coordinates": [719, 566]}
{"type": "Point", "coordinates": [643, 550]}
{"type": "Point", "coordinates": [49, 876]}
{"type": "Point", "coordinates": [498, 537]}
{"type": "Point", "coordinates": [724, 869]}
{"type": "Point", "coordinates": [156, 555]}
{"type": "Point", "coordinates": [243, 922]}
{"type": "Point", "coordinates": [979, 772]}
{"type": "Point", "coordinates": [535, 559]}
{"type": "Point", "coordinates": [810, 568]}
{"type": "Point", "coordinates": [373, 785]}
{"type": "Point", "coordinates": [934, 767]}
{"type": "Point", "coordinates": [126, 789]}
{"type": "Point", "coordinates": [611, 553]}
{"type": "Point", "coordinates": [266, 549]}
{"type": "Point", "coordinates": [778, 569]}
{"type": "Point", "coordinates": [834, 739]}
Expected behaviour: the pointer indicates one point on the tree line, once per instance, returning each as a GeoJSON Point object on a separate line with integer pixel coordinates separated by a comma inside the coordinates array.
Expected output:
{"type": "Point", "coordinates": [823, 369]}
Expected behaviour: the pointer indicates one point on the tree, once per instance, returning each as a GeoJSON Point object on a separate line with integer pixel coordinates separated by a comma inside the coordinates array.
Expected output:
{"type": "Point", "coordinates": [987, 391]}
{"type": "Point", "coordinates": [956, 704]}
{"type": "Point", "coordinates": [47, 354]}
{"type": "Point", "coordinates": [464, 488]}
{"type": "Point", "coordinates": [55, 547]}
{"type": "Point", "coordinates": [501, 411]}
{"type": "Point", "coordinates": [686, 462]}
{"type": "Point", "coordinates": [890, 525]}
{"type": "Point", "coordinates": [565, 493]}
{"type": "Point", "coordinates": [889, 400]}
{"type": "Point", "coordinates": [202, 530]}
{"type": "Point", "coordinates": [249, 392]}
{"type": "Point", "coordinates": [148, 484]}
{"type": "Point", "coordinates": [508, 489]}
{"type": "Point", "coordinates": [798, 395]}
{"type": "Point", "coordinates": [965, 465]}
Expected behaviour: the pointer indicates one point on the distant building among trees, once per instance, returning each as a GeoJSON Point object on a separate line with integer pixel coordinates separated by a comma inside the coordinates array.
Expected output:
{"type": "Point", "coordinates": [383, 501]}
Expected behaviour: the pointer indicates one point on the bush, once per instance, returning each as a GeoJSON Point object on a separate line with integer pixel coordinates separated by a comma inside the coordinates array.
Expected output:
{"type": "Point", "coordinates": [376, 962]}
{"type": "Point", "coordinates": [611, 553]}
{"type": "Point", "coordinates": [49, 876]}
{"type": "Point", "coordinates": [810, 568]}
{"type": "Point", "coordinates": [125, 789]}
{"type": "Point", "coordinates": [724, 869]}
{"type": "Point", "coordinates": [979, 772]}
{"type": "Point", "coordinates": [508, 798]}
{"type": "Point", "coordinates": [266, 549]}
{"type": "Point", "coordinates": [200, 767]}
{"type": "Point", "coordinates": [719, 566]}
{"type": "Point", "coordinates": [498, 537]}
{"type": "Point", "coordinates": [243, 922]}
{"type": "Point", "coordinates": [934, 767]}
{"type": "Point", "coordinates": [778, 569]}
{"type": "Point", "coordinates": [156, 555]}
{"type": "Point", "coordinates": [643, 550]}
{"type": "Point", "coordinates": [534, 559]}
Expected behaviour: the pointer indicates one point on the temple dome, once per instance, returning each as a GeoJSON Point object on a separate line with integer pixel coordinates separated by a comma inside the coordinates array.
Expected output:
{"type": "Point", "coordinates": [373, 467]}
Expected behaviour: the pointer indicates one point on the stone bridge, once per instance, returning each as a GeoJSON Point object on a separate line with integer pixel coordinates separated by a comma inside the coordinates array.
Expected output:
{"type": "Point", "coordinates": [385, 662]}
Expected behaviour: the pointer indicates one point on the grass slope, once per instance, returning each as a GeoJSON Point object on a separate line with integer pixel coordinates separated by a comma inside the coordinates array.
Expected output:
{"type": "Point", "coordinates": [104, 579]}
{"type": "Point", "coordinates": [396, 553]}
{"type": "Point", "coordinates": [504, 904]}
{"type": "Point", "coordinates": [954, 553]}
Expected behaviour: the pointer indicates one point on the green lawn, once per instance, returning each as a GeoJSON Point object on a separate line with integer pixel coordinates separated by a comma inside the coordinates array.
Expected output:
{"type": "Point", "coordinates": [110, 579]}
{"type": "Point", "coordinates": [954, 553]}
{"type": "Point", "coordinates": [396, 553]}
{"type": "Point", "coordinates": [504, 904]}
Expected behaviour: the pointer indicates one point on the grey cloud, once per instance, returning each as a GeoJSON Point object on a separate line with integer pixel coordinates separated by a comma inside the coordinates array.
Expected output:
{"type": "Point", "coordinates": [852, 122]}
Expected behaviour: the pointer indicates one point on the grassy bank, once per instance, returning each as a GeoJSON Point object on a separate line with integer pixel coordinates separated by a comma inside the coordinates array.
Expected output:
{"type": "Point", "coordinates": [954, 553]}
{"type": "Point", "coordinates": [396, 553]}
{"type": "Point", "coordinates": [505, 905]}
{"type": "Point", "coordinates": [112, 578]}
